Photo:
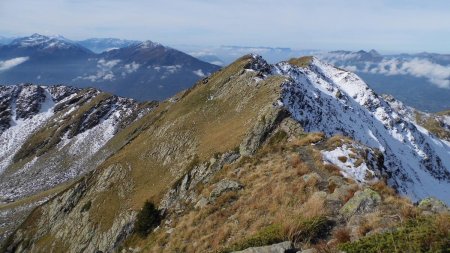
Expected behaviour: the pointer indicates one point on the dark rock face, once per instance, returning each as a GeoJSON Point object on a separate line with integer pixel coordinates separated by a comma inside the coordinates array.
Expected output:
{"type": "Point", "coordinates": [29, 101]}
{"type": "Point", "coordinates": [60, 92]}
{"type": "Point", "coordinates": [26, 100]}
{"type": "Point", "coordinates": [6, 95]}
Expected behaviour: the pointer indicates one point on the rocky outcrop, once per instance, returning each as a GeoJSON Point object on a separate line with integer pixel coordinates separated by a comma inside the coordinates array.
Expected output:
{"type": "Point", "coordinates": [433, 205]}
{"type": "Point", "coordinates": [362, 202]}
{"type": "Point", "coordinates": [66, 216]}
{"type": "Point", "coordinates": [223, 186]}
{"type": "Point", "coordinates": [261, 130]}
{"type": "Point", "coordinates": [183, 191]}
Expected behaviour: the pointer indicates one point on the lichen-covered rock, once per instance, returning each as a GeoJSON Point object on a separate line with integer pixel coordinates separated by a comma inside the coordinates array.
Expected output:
{"type": "Point", "coordinates": [202, 202]}
{"type": "Point", "coordinates": [224, 186]}
{"type": "Point", "coordinates": [312, 176]}
{"type": "Point", "coordinates": [312, 250]}
{"type": "Point", "coordinates": [362, 202]}
{"type": "Point", "coordinates": [433, 205]}
{"type": "Point", "coordinates": [274, 248]}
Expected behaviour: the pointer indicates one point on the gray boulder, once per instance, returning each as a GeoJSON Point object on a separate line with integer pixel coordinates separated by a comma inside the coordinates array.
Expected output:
{"type": "Point", "coordinates": [282, 247]}
{"type": "Point", "coordinates": [433, 205]}
{"type": "Point", "coordinates": [362, 202]}
{"type": "Point", "coordinates": [224, 186]}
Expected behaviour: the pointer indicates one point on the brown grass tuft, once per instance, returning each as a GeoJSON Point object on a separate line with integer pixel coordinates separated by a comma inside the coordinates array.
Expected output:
{"type": "Point", "coordinates": [333, 169]}
{"type": "Point", "coordinates": [383, 188]}
{"type": "Point", "coordinates": [314, 207]}
{"type": "Point", "coordinates": [343, 159]}
{"type": "Point", "coordinates": [342, 235]}
{"type": "Point", "coordinates": [308, 139]}
{"type": "Point", "coordinates": [350, 195]}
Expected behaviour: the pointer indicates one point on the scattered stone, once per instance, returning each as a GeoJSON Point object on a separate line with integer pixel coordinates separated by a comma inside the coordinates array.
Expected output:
{"type": "Point", "coordinates": [224, 186]}
{"type": "Point", "coordinates": [310, 176]}
{"type": "Point", "coordinates": [202, 203]}
{"type": "Point", "coordinates": [308, 251]}
{"type": "Point", "coordinates": [282, 247]}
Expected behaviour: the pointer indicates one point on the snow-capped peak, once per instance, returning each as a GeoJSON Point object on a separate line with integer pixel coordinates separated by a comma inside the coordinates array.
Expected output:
{"type": "Point", "coordinates": [42, 41]}
{"type": "Point", "coordinates": [149, 44]}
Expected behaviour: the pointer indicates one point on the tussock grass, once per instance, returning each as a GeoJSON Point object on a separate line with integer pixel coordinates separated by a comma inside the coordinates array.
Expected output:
{"type": "Point", "coordinates": [425, 234]}
{"type": "Point", "coordinates": [433, 125]}
{"type": "Point", "coordinates": [302, 62]}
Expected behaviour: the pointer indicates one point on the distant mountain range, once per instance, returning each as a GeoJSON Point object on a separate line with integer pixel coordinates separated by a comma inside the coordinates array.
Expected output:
{"type": "Point", "coordinates": [224, 55]}
{"type": "Point", "coordinates": [140, 70]}
{"type": "Point", "coordinates": [148, 70]}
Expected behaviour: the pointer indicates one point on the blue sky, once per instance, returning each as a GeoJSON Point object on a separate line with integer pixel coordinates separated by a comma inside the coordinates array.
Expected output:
{"type": "Point", "coordinates": [390, 26]}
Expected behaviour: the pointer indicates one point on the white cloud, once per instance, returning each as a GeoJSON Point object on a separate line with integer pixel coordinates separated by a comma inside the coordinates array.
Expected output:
{"type": "Point", "coordinates": [103, 64]}
{"type": "Point", "coordinates": [11, 63]}
{"type": "Point", "coordinates": [104, 72]}
{"type": "Point", "coordinates": [435, 73]}
{"type": "Point", "coordinates": [199, 73]}
{"type": "Point", "coordinates": [132, 67]}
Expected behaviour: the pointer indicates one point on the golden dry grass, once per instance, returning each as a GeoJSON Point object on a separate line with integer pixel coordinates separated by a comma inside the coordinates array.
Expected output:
{"type": "Point", "coordinates": [273, 193]}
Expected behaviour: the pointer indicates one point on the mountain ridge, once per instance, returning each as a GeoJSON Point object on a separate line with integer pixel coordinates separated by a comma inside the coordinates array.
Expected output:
{"type": "Point", "coordinates": [226, 118]}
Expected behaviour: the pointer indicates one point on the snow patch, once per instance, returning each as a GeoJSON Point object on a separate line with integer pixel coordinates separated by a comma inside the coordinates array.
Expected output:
{"type": "Point", "coordinates": [14, 137]}
{"type": "Point", "coordinates": [345, 159]}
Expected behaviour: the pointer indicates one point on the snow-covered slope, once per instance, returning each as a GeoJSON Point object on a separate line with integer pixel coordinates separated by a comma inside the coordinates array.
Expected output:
{"type": "Point", "coordinates": [37, 40]}
{"type": "Point", "coordinates": [49, 134]}
{"type": "Point", "coordinates": [325, 98]}
{"type": "Point", "coordinates": [99, 45]}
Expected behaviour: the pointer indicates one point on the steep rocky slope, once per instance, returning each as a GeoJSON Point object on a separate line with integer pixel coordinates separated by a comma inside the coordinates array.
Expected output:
{"type": "Point", "coordinates": [339, 102]}
{"type": "Point", "coordinates": [50, 135]}
{"type": "Point", "coordinates": [195, 150]}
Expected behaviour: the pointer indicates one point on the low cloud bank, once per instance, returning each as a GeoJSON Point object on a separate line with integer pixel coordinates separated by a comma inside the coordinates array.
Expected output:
{"type": "Point", "coordinates": [11, 63]}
